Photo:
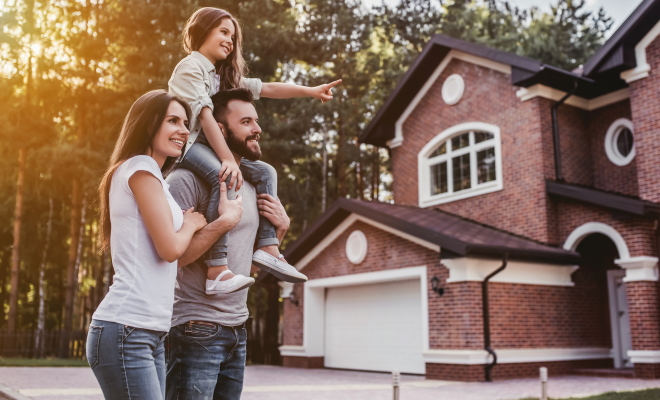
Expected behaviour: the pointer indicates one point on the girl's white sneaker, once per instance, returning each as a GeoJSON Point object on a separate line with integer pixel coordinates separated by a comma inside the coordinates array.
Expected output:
{"type": "Point", "coordinates": [276, 266]}
{"type": "Point", "coordinates": [231, 285]}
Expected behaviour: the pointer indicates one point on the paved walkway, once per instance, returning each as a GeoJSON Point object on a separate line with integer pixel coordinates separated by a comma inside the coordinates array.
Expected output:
{"type": "Point", "coordinates": [271, 383]}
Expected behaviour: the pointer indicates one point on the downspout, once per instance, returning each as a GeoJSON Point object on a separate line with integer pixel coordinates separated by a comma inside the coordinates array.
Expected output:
{"type": "Point", "coordinates": [555, 131]}
{"type": "Point", "coordinates": [486, 316]}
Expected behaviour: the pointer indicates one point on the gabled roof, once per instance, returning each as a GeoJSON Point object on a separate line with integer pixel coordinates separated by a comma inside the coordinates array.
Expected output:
{"type": "Point", "coordinates": [618, 53]}
{"type": "Point", "coordinates": [456, 236]}
{"type": "Point", "coordinates": [525, 72]}
{"type": "Point", "coordinates": [613, 201]}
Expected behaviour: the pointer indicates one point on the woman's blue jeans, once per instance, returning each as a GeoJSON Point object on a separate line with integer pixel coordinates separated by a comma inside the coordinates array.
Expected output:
{"type": "Point", "coordinates": [203, 161]}
{"type": "Point", "coordinates": [128, 362]}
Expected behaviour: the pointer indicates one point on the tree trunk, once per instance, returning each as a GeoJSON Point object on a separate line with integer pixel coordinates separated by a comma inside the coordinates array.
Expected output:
{"type": "Point", "coordinates": [41, 317]}
{"type": "Point", "coordinates": [76, 269]}
{"type": "Point", "coordinates": [107, 275]}
{"type": "Point", "coordinates": [341, 160]}
{"type": "Point", "coordinates": [15, 259]}
{"type": "Point", "coordinates": [70, 287]}
{"type": "Point", "coordinates": [324, 199]}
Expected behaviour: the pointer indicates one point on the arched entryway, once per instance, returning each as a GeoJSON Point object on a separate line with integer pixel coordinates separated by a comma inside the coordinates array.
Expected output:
{"type": "Point", "coordinates": [601, 285]}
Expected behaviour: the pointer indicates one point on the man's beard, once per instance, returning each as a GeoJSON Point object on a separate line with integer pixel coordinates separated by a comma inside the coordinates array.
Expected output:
{"type": "Point", "coordinates": [241, 148]}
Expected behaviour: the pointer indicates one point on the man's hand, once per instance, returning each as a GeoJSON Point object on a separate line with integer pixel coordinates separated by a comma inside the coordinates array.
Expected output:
{"type": "Point", "coordinates": [272, 209]}
{"type": "Point", "coordinates": [230, 210]}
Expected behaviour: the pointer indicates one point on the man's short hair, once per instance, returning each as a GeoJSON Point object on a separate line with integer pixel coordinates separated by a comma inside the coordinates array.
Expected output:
{"type": "Point", "coordinates": [222, 99]}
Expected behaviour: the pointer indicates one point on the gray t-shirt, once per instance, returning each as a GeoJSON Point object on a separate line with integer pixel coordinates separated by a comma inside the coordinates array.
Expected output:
{"type": "Point", "coordinates": [191, 303]}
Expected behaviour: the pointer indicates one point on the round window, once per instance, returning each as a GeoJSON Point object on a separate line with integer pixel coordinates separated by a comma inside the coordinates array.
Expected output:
{"type": "Point", "coordinates": [620, 142]}
{"type": "Point", "coordinates": [356, 247]}
{"type": "Point", "coordinates": [452, 89]}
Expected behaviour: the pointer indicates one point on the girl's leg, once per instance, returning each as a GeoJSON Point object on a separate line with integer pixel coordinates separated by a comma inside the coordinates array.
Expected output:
{"type": "Point", "coordinates": [264, 179]}
{"type": "Point", "coordinates": [201, 160]}
{"type": "Point", "coordinates": [125, 360]}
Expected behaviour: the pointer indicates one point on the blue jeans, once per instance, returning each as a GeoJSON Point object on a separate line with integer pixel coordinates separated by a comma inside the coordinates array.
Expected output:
{"type": "Point", "coordinates": [203, 161]}
{"type": "Point", "coordinates": [128, 362]}
{"type": "Point", "coordinates": [205, 361]}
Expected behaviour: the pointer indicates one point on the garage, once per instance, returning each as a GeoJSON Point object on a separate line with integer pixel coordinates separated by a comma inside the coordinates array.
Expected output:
{"type": "Point", "coordinates": [375, 327]}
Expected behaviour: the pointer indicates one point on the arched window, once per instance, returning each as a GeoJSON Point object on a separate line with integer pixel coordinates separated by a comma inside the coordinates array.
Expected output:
{"type": "Point", "coordinates": [463, 161]}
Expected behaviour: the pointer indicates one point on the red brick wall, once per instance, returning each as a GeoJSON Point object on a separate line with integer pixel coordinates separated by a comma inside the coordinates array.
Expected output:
{"type": "Point", "coordinates": [646, 120]}
{"type": "Point", "coordinates": [576, 162]}
{"type": "Point", "coordinates": [638, 233]}
{"type": "Point", "coordinates": [607, 175]}
{"type": "Point", "coordinates": [386, 251]}
{"type": "Point", "coordinates": [644, 311]}
{"type": "Point", "coordinates": [489, 97]}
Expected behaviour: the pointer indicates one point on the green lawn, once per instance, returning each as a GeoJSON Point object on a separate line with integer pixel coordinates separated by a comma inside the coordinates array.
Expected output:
{"type": "Point", "coordinates": [649, 394]}
{"type": "Point", "coordinates": [43, 362]}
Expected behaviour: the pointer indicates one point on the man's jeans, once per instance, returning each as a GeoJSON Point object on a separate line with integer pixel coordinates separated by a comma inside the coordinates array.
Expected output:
{"type": "Point", "coordinates": [205, 361]}
{"type": "Point", "coordinates": [128, 362]}
{"type": "Point", "coordinates": [201, 160]}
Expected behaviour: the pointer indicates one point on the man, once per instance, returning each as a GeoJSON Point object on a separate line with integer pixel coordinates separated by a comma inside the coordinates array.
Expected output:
{"type": "Point", "coordinates": [207, 342]}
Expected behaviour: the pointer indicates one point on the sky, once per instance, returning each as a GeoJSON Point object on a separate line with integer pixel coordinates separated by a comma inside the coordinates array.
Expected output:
{"type": "Point", "coordinates": [619, 10]}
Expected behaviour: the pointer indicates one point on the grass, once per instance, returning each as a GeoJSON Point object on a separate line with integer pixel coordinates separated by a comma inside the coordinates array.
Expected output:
{"type": "Point", "coordinates": [41, 362]}
{"type": "Point", "coordinates": [649, 394]}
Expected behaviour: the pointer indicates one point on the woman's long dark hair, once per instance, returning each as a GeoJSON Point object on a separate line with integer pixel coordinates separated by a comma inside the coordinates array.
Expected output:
{"type": "Point", "coordinates": [138, 130]}
{"type": "Point", "coordinates": [232, 69]}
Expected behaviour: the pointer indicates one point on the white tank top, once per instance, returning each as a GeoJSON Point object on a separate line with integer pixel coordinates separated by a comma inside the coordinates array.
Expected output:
{"type": "Point", "coordinates": [142, 292]}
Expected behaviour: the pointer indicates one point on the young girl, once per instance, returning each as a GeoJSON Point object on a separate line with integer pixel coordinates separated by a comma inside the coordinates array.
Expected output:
{"type": "Point", "coordinates": [146, 232]}
{"type": "Point", "coordinates": [212, 38]}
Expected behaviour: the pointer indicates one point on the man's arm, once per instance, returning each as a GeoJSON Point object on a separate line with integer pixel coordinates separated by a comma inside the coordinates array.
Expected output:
{"type": "Point", "coordinates": [272, 209]}
{"type": "Point", "coordinates": [230, 214]}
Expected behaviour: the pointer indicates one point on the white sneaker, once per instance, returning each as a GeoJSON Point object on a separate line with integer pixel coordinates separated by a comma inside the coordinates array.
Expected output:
{"type": "Point", "coordinates": [277, 267]}
{"type": "Point", "coordinates": [231, 285]}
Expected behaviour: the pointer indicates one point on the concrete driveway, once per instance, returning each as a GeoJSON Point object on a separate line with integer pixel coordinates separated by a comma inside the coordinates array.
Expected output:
{"type": "Point", "coordinates": [270, 383]}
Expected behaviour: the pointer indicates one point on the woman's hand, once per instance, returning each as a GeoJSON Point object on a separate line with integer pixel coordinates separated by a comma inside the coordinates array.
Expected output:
{"type": "Point", "coordinates": [195, 218]}
{"type": "Point", "coordinates": [229, 167]}
{"type": "Point", "coordinates": [324, 92]}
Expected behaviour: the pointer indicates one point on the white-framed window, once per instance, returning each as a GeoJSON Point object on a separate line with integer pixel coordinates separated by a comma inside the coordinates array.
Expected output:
{"type": "Point", "coordinates": [620, 142]}
{"type": "Point", "coordinates": [462, 161]}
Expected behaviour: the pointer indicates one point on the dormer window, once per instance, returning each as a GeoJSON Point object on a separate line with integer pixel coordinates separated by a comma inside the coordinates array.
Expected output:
{"type": "Point", "coordinates": [461, 162]}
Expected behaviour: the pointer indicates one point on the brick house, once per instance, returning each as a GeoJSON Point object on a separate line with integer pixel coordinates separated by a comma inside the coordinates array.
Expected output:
{"type": "Point", "coordinates": [524, 230]}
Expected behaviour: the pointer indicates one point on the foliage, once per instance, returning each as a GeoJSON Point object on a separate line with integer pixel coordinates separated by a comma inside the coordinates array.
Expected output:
{"type": "Point", "coordinates": [72, 68]}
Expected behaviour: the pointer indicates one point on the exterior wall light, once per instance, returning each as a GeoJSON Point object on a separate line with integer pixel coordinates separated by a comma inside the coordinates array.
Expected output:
{"type": "Point", "coordinates": [293, 298]}
{"type": "Point", "coordinates": [435, 286]}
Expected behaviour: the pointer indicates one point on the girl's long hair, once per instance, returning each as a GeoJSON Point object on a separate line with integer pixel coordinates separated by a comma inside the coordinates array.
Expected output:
{"type": "Point", "coordinates": [137, 132]}
{"type": "Point", "coordinates": [232, 69]}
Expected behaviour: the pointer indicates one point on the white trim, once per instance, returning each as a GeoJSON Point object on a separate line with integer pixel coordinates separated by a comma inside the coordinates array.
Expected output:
{"type": "Point", "coordinates": [511, 356]}
{"type": "Point", "coordinates": [644, 356]}
{"type": "Point", "coordinates": [642, 69]}
{"type": "Point", "coordinates": [423, 167]}
{"type": "Point", "coordinates": [641, 268]}
{"type": "Point", "coordinates": [285, 289]}
{"type": "Point", "coordinates": [314, 303]}
{"type": "Point", "coordinates": [620, 333]}
{"type": "Point", "coordinates": [610, 142]}
{"type": "Point", "coordinates": [341, 228]}
{"type": "Point", "coordinates": [453, 54]}
{"type": "Point", "coordinates": [585, 230]}
{"type": "Point", "coordinates": [451, 98]}
{"type": "Point", "coordinates": [294, 351]}
{"type": "Point", "coordinates": [466, 269]}
{"type": "Point", "coordinates": [547, 92]}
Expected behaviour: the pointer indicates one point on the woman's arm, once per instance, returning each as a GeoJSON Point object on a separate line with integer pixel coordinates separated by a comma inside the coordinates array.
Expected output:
{"type": "Point", "coordinates": [278, 90]}
{"type": "Point", "coordinates": [219, 146]}
{"type": "Point", "coordinates": [230, 214]}
{"type": "Point", "coordinates": [157, 216]}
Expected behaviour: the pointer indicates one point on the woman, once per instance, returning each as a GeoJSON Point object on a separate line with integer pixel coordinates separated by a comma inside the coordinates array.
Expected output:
{"type": "Point", "coordinates": [146, 233]}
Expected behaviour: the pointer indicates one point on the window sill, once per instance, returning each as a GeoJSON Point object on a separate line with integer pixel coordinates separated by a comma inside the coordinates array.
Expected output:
{"type": "Point", "coordinates": [463, 194]}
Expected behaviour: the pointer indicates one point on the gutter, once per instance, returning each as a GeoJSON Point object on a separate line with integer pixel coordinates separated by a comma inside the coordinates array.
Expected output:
{"type": "Point", "coordinates": [555, 131]}
{"type": "Point", "coordinates": [486, 317]}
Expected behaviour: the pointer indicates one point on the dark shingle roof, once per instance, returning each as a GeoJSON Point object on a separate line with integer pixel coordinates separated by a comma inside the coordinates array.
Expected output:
{"type": "Point", "coordinates": [455, 235]}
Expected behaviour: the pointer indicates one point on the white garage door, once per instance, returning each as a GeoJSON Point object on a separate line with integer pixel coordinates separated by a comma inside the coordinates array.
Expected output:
{"type": "Point", "coordinates": [375, 327]}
